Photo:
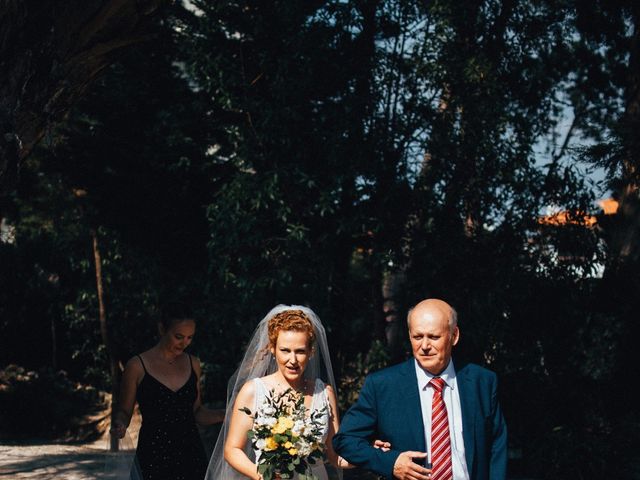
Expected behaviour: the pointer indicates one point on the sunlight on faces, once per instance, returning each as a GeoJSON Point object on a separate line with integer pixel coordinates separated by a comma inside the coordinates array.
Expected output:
{"type": "Point", "coordinates": [178, 336]}
{"type": "Point", "coordinates": [292, 353]}
{"type": "Point", "coordinates": [431, 337]}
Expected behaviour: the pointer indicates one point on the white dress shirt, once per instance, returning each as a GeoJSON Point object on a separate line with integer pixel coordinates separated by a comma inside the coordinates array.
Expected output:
{"type": "Point", "coordinates": [451, 397]}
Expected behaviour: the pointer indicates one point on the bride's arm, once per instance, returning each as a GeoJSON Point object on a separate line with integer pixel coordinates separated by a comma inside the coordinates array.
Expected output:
{"type": "Point", "coordinates": [236, 440]}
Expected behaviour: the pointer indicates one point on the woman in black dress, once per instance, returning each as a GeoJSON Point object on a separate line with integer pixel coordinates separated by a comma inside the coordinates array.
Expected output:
{"type": "Point", "coordinates": [165, 381]}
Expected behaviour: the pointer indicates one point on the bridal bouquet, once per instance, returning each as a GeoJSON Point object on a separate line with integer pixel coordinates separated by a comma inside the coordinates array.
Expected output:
{"type": "Point", "coordinates": [287, 436]}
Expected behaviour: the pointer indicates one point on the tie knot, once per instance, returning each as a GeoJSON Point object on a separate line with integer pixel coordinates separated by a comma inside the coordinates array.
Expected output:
{"type": "Point", "coordinates": [438, 384]}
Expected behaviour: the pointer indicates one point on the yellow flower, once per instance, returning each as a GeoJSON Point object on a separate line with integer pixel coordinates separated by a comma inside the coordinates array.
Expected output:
{"type": "Point", "coordinates": [283, 424]}
{"type": "Point", "coordinates": [293, 451]}
{"type": "Point", "coordinates": [288, 445]}
{"type": "Point", "coordinates": [286, 421]}
{"type": "Point", "coordinates": [270, 444]}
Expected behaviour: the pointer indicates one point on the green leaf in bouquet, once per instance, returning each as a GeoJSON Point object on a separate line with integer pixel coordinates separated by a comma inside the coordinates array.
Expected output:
{"type": "Point", "coordinates": [280, 438]}
{"type": "Point", "coordinates": [266, 471]}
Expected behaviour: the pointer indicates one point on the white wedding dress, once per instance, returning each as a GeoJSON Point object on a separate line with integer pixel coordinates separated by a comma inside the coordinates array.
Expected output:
{"type": "Point", "coordinates": [318, 402]}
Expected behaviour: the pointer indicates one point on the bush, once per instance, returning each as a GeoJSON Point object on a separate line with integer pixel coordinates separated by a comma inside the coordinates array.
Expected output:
{"type": "Point", "coordinates": [48, 405]}
{"type": "Point", "coordinates": [355, 372]}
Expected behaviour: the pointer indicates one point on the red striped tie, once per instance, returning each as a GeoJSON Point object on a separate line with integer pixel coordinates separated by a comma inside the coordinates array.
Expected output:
{"type": "Point", "coordinates": [440, 442]}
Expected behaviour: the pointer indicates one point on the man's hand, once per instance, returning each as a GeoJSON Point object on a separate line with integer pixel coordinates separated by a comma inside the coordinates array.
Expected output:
{"type": "Point", "coordinates": [406, 469]}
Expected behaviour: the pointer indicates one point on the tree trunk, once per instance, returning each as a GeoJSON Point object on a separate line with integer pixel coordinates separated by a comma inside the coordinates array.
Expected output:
{"type": "Point", "coordinates": [50, 52]}
{"type": "Point", "coordinates": [54, 345]}
{"type": "Point", "coordinates": [396, 327]}
{"type": "Point", "coordinates": [104, 331]}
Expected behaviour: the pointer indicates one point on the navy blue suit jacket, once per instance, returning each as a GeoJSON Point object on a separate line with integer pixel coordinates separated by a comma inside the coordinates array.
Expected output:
{"type": "Point", "coordinates": [388, 408]}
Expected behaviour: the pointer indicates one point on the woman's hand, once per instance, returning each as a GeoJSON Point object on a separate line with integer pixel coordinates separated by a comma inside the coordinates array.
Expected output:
{"type": "Point", "coordinates": [118, 429]}
{"type": "Point", "coordinates": [206, 416]}
{"type": "Point", "coordinates": [382, 445]}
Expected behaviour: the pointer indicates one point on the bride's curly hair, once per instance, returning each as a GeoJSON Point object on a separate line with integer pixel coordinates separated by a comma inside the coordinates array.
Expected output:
{"type": "Point", "coordinates": [289, 320]}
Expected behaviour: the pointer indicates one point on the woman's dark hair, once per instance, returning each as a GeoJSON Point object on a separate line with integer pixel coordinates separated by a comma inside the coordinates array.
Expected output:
{"type": "Point", "coordinates": [174, 312]}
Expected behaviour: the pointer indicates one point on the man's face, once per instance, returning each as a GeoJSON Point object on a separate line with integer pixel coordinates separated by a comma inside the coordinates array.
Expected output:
{"type": "Point", "coordinates": [431, 339]}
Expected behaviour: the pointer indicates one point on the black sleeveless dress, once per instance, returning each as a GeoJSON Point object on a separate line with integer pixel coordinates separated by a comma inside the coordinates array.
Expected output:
{"type": "Point", "coordinates": [169, 445]}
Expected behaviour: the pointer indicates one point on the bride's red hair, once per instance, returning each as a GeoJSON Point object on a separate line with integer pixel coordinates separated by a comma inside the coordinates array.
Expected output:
{"type": "Point", "coordinates": [290, 320]}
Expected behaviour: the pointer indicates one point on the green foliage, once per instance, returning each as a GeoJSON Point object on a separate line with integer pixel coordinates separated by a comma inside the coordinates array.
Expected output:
{"type": "Point", "coordinates": [357, 369]}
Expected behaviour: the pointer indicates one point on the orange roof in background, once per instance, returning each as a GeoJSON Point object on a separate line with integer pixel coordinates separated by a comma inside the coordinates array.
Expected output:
{"type": "Point", "coordinates": [563, 218]}
{"type": "Point", "coordinates": [609, 207]}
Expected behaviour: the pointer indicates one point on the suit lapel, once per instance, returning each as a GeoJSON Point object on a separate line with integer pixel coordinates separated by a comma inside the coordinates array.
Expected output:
{"type": "Point", "coordinates": [468, 414]}
{"type": "Point", "coordinates": [411, 406]}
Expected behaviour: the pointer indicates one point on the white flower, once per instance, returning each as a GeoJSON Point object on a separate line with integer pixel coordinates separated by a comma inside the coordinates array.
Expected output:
{"type": "Point", "coordinates": [304, 448]}
{"type": "Point", "coordinates": [260, 444]}
{"type": "Point", "coordinates": [299, 428]}
{"type": "Point", "coordinates": [262, 420]}
{"type": "Point", "coordinates": [270, 421]}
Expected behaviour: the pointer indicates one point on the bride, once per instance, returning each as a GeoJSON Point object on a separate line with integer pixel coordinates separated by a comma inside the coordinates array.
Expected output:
{"type": "Point", "coordinates": [288, 350]}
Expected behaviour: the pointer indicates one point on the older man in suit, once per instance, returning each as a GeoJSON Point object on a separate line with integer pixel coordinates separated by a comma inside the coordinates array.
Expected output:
{"type": "Point", "coordinates": [443, 422]}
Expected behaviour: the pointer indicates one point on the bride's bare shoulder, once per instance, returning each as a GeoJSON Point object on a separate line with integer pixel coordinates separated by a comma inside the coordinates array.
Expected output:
{"type": "Point", "coordinates": [246, 393]}
{"type": "Point", "coordinates": [269, 381]}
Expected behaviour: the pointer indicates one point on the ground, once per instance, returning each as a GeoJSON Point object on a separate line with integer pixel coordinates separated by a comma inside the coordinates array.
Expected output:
{"type": "Point", "coordinates": [53, 461]}
{"type": "Point", "coordinates": [67, 461]}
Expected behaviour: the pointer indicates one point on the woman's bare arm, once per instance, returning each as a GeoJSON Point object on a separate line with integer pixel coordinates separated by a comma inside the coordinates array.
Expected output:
{"type": "Point", "coordinates": [131, 377]}
{"type": "Point", "coordinates": [239, 425]}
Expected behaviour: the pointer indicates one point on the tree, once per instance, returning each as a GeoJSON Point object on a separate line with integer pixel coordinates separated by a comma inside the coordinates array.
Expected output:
{"type": "Point", "coordinates": [137, 176]}
{"type": "Point", "coordinates": [287, 223]}
{"type": "Point", "coordinates": [607, 88]}
{"type": "Point", "coordinates": [50, 53]}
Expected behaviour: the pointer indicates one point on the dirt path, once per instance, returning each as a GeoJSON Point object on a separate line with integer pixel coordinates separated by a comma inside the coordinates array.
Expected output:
{"type": "Point", "coordinates": [88, 461]}
{"type": "Point", "coordinates": [48, 462]}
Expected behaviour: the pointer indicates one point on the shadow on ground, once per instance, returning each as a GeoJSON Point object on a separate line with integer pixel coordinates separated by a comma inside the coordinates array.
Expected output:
{"type": "Point", "coordinates": [60, 462]}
